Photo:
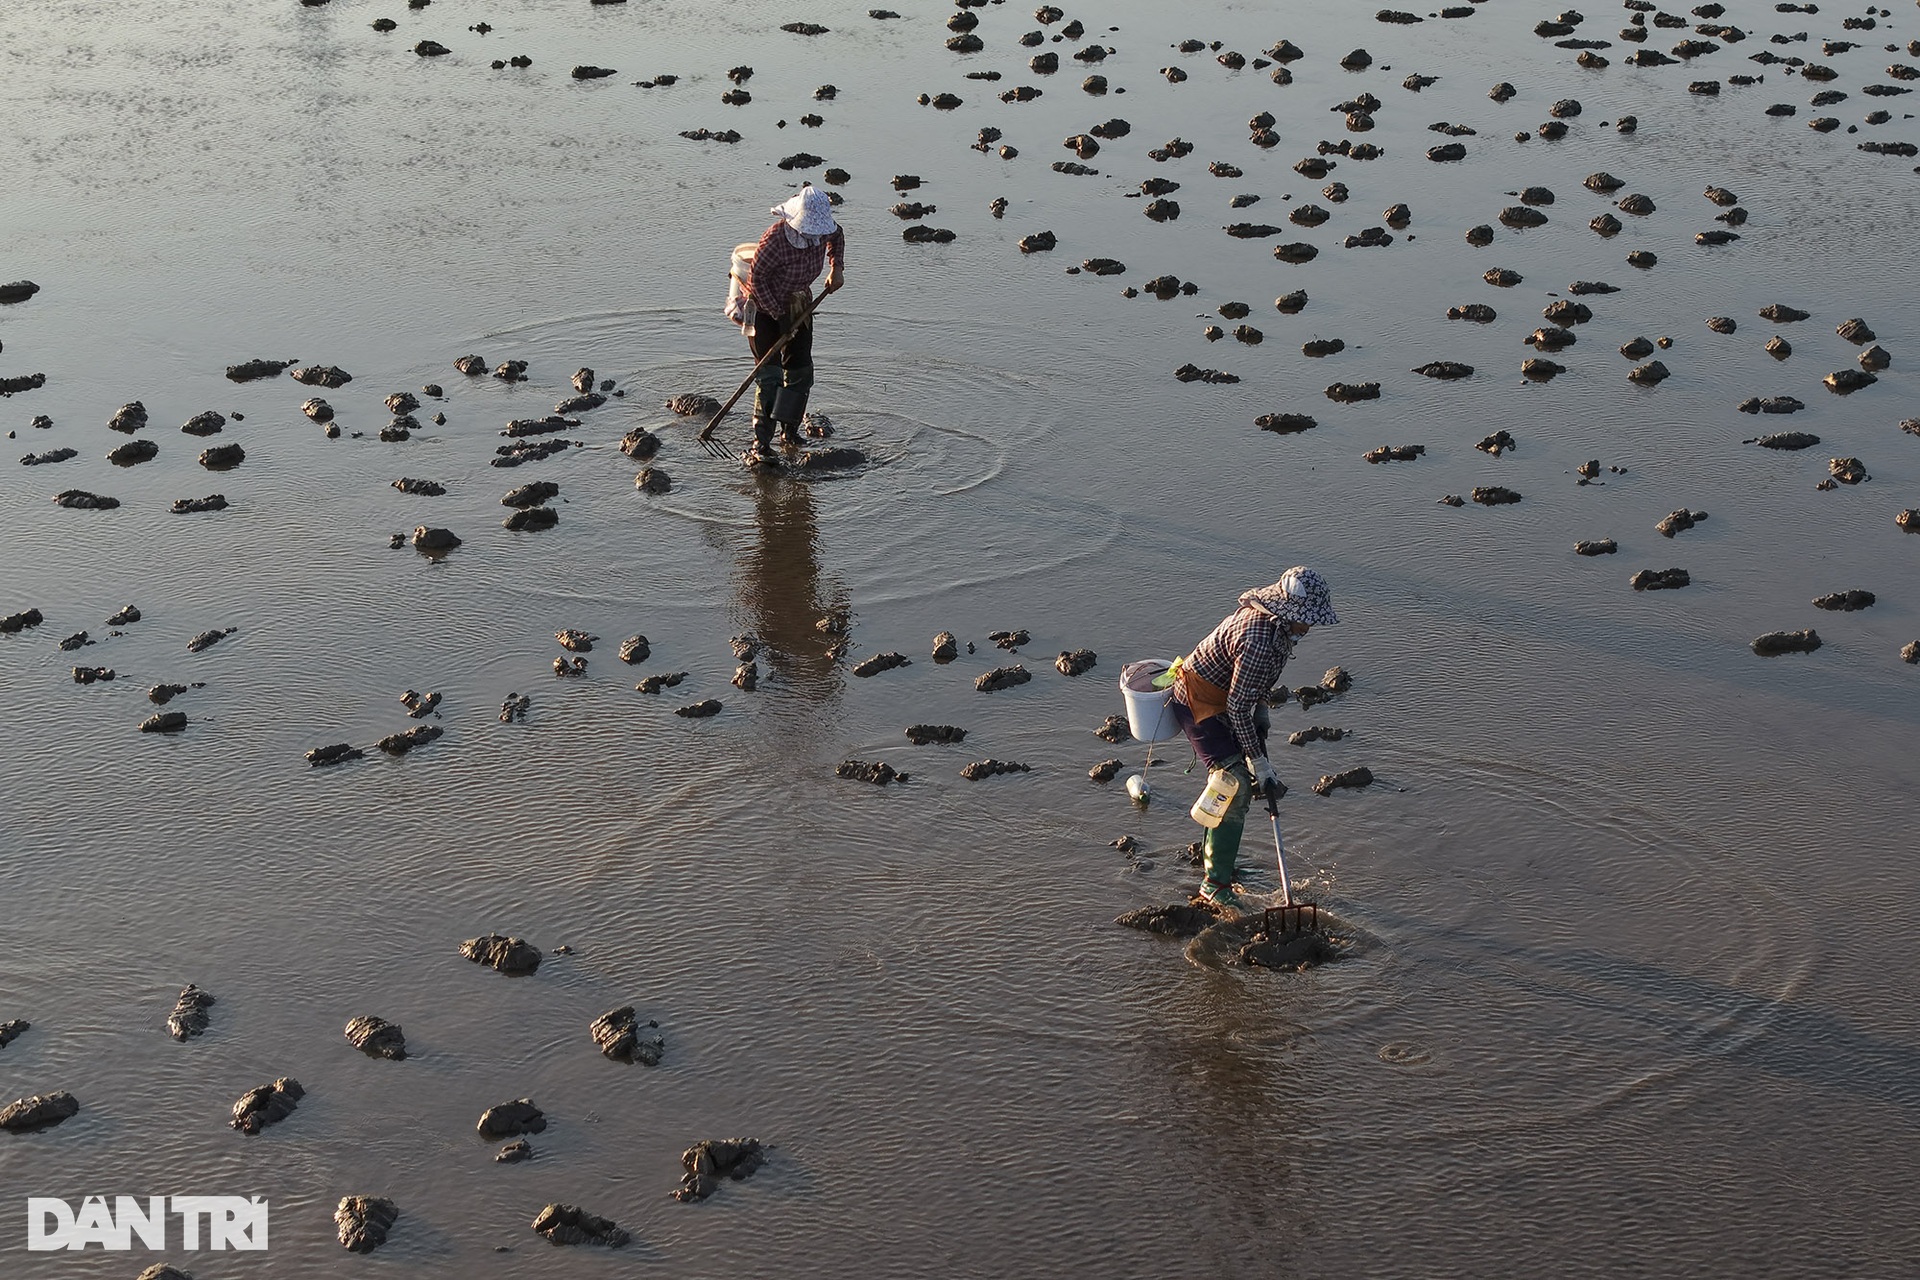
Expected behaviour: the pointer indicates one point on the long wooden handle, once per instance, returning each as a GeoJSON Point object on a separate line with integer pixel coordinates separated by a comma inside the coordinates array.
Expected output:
{"type": "Point", "coordinates": [706, 432]}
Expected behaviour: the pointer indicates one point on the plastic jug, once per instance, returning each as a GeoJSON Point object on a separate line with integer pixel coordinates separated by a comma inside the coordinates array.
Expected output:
{"type": "Point", "coordinates": [1212, 805]}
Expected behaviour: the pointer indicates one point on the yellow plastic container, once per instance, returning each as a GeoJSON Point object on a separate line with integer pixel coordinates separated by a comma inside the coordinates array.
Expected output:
{"type": "Point", "coordinates": [1212, 805]}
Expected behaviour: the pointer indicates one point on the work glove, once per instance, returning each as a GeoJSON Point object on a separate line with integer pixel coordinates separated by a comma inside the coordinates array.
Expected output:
{"type": "Point", "coordinates": [1265, 783]}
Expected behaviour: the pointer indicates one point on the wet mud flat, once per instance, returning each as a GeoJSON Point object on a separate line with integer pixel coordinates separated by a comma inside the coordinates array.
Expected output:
{"type": "Point", "coordinates": [510, 661]}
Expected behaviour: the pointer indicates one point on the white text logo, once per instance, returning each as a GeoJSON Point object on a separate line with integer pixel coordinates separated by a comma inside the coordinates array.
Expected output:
{"type": "Point", "coordinates": [225, 1222]}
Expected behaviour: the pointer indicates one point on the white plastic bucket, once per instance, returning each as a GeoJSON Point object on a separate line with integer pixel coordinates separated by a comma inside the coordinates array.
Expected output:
{"type": "Point", "coordinates": [1149, 710]}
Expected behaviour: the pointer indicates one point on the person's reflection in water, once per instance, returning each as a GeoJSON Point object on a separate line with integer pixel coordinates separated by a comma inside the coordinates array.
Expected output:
{"type": "Point", "coordinates": [780, 590]}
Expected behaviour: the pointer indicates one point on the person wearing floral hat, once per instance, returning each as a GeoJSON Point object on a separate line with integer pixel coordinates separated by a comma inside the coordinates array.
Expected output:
{"type": "Point", "coordinates": [1220, 698]}
{"type": "Point", "coordinates": [785, 264]}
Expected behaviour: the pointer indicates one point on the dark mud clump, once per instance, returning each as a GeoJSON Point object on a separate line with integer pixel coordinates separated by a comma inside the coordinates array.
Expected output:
{"type": "Point", "coordinates": [377, 1038]}
{"type": "Point", "coordinates": [1494, 495]}
{"type": "Point", "coordinates": [419, 704]}
{"type": "Point", "coordinates": [42, 1111]}
{"type": "Point", "coordinates": [204, 424]}
{"type": "Point", "coordinates": [565, 1224]}
{"type": "Point", "coordinates": [693, 405]}
{"type": "Point", "coordinates": [511, 1119]}
{"type": "Point", "coordinates": [14, 623]}
{"type": "Point", "coordinates": [875, 771]}
{"type": "Point", "coordinates": [321, 375]}
{"type": "Point", "coordinates": [1445, 370]}
{"type": "Point", "coordinates": [133, 453]}
{"type": "Point", "coordinates": [1650, 374]}
{"type": "Point", "coordinates": [12, 1030]}
{"type": "Point", "coordinates": [338, 753]}
{"type": "Point", "coordinates": [922, 734]}
{"type": "Point", "coordinates": [1477, 312]}
{"type": "Point", "coordinates": [81, 500]}
{"type": "Point", "coordinates": [1075, 662]}
{"type": "Point", "coordinates": [635, 649]}
{"type": "Point", "coordinates": [1350, 392]}
{"type": "Point", "coordinates": [128, 418]}
{"type": "Point", "coordinates": [189, 1016]}
{"type": "Point", "coordinates": [640, 444]}
{"type": "Point", "coordinates": [1596, 547]}
{"type": "Point", "coordinates": [655, 683]}
{"type": "Point", "coordinates": [699, 710]}
{"type": "Point", "coordinates": [253, 370]}
{"type": "Point", "coordinates": [707, 1163]}
{"type": "Point", "coordinates": [1002, 678]}
{"type": "Point", "coordinates": [1177, 920]}
{"type": "Point", "coordinates": [1679, 521]}
{"type": "Point", "coordinates": [1778, 642]}
{"type": "Point", "coordinates": [1395, 453]}
{"type": "Point", "coordinates": [1788, 440]}
{"type": "Point", "coordinates": [881, 662]}
{"type": "Point", "coordinates": [89, 675]}
{"type": "Point", "coordinates": [531, 495]}
{"type": "Point", "coordinates": [514, 1152]}
{"type": "Point", "coordinates": [1285, 423]}
{"type": "Point", "coordinates": [978, 769]}
{"type": "Point", "coordinates": [1771, 404]}
{"type": "Point", "coordinates": [1357, 777]}
{"type": "Point", "coordinates": [1844, 601]}
{"type": "Point", "coordinates": [624, 1039]}
{"type": "Point", "coordinates": [1105, 770]}
{"type": "Point", "coordinates": [164, 722]}
{"type": "Point", "coordinates": [472, 366]}
{"type": "Point", "coordinates": [1660, 579]}
{"type": "Point", "coordinates": [1847, 470]}
{"type": "Point", "coordinates": [1499, 442]}
{"type": "Point", "coordinates": [521, 428]}
{"type": "Point", "coordinates": [222, 457]}
{"type": "Point", "coordinates": [653, 480]}
{"type": "Point", "coordinates": [1847, 381]}
{"type": "Point", "coordinates": [398, 744]}
{"type": "Point", "coordinates": [514, 956]}
{"type": "Point", "coordinates": [269, 1104]}
{"type": "Point", "coordinates": [363, 1222]}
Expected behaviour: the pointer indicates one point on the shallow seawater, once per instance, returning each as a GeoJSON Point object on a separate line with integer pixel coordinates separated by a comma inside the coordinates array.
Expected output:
{"type": "Point", "coordinates": [1634, 989]}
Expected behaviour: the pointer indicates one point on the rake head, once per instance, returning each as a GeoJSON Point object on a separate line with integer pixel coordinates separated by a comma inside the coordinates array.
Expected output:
{"type": "Point", "coordinates": [1290, 920]}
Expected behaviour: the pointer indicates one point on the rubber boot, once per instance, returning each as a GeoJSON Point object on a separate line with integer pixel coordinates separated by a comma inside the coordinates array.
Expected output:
{"type": "Point", "coordinates": [761, 454]}
{"type": "Point", "coordinates": [789, 408]}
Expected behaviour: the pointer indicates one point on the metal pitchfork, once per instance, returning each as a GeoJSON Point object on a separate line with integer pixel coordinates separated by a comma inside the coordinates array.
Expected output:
{"type": "Point", "coordinates": [1289, 918]}
{"type": "Point", "coordinates": [719, 448]}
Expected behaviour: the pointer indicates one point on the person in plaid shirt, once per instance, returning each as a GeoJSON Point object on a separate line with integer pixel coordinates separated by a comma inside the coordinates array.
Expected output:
{"type": "Point", "coordinates": [1220, 698]}
{"type": "Point", "coordinates": [785, 264]}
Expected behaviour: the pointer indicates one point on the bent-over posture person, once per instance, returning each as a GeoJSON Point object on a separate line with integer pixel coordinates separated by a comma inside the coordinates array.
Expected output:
{"type": "Point", "coordinates": [1220, 697]}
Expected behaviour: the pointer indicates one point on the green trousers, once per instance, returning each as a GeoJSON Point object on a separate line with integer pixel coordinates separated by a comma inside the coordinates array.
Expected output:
{"type": "Point", "coordinates": [1222, 843]}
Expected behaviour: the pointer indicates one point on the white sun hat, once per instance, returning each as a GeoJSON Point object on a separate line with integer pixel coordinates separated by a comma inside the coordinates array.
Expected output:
{"type": "Point", "coordinates": [809, 212]}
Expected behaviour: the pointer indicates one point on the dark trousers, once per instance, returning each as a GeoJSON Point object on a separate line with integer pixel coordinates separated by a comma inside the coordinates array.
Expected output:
{"type": "Point", "coordinates": [792, 370]}
{"type": "Point", "coordinates": [1213, 739]}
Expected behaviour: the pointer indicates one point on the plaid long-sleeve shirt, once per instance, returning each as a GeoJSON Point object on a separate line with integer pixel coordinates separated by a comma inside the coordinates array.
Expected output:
{"type": "Point", "coordinates": [780, 270]}
{"type": "Point", "coordinates": [1244, 655]}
